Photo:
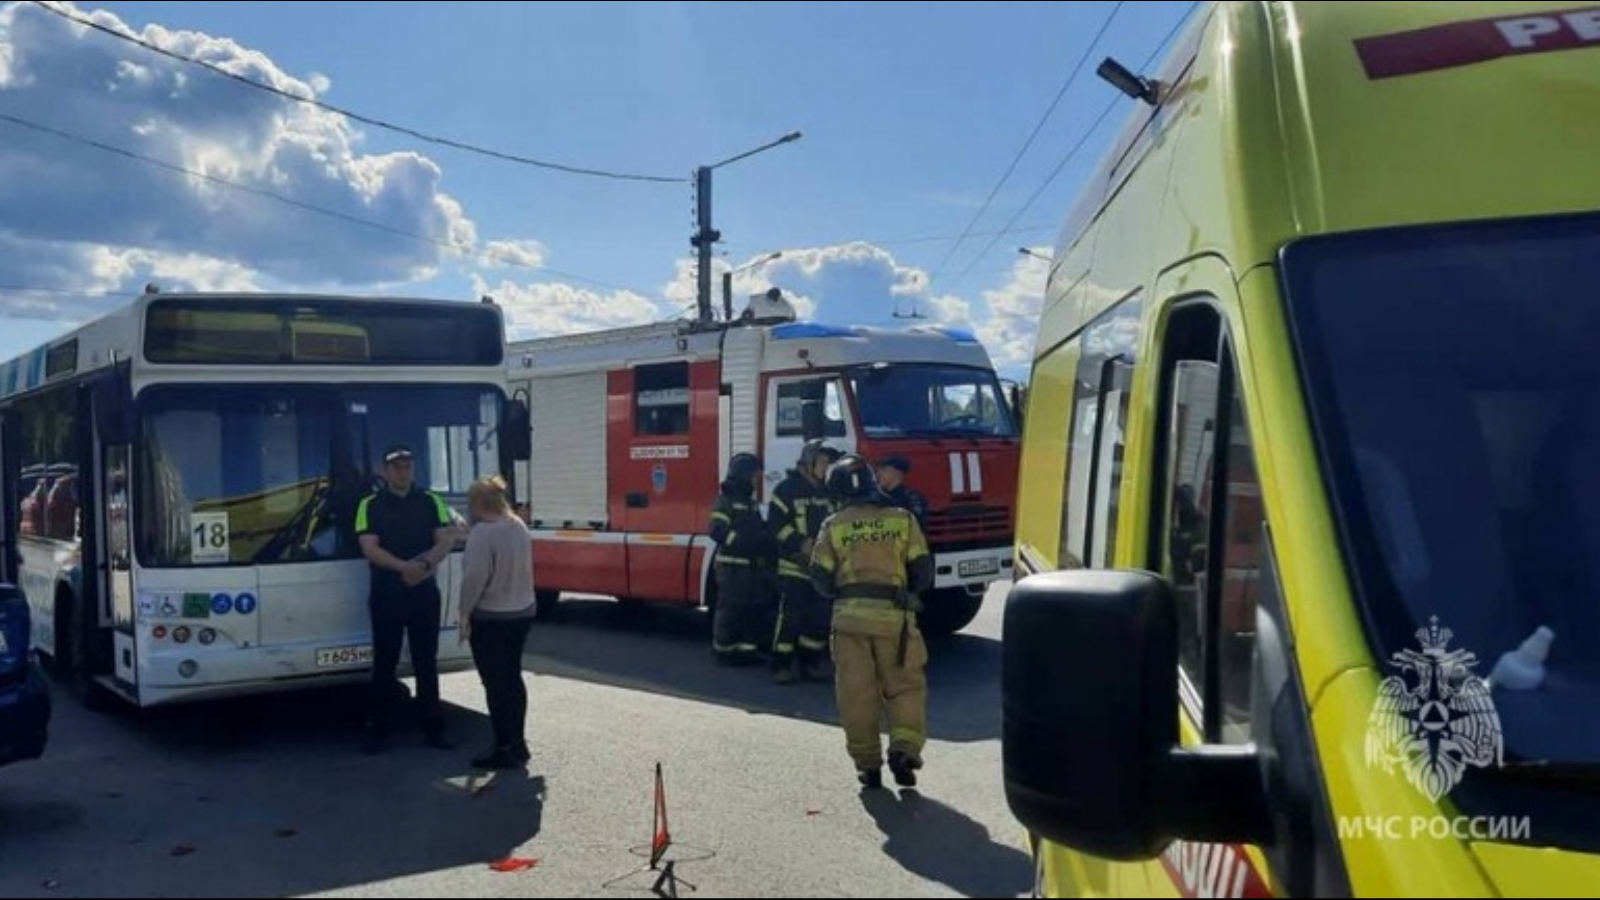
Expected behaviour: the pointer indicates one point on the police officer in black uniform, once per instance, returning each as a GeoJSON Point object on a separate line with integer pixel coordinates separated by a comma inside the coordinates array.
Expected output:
{"type": "Point", "coordinates": [405, 533]}
{"type": "Point", "coordinates": [892, 472]}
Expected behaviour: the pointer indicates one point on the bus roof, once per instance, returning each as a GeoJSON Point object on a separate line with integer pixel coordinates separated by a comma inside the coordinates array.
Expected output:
{"type": "Point", "coordinates": [115, 336]}
{"type": "Point", "coordinates": [1286, 119]}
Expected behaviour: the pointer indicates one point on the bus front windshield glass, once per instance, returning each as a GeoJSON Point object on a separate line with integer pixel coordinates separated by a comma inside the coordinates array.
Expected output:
{"type": "Point", "coordinates": [259, 474]}
{"type": "Point", "coordinates": [1455, 387]}
{"type": "Point", "coordinates": [916, 400]}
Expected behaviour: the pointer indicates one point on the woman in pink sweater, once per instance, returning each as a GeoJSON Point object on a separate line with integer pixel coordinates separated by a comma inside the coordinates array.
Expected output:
{"type": "Point", "coordinates": [497, 606]}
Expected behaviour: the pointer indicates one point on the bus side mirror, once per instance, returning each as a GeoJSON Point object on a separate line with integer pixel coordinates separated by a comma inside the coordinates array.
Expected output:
{"type": "Point", "coordinates": [516, 432]}
{"type": "Point", "coordinates": [1090, 744]}
{"type": "Point", "coordinates": [113, 408]}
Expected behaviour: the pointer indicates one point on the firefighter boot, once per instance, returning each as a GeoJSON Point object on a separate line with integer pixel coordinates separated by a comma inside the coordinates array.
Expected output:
{"type": "Point", "coordinates": [871, 779]}
{"type": "Point", "coordinates": [904, 769]}
{"type": "Point", "coordinates": [785, 669]}
{"type": "Point", "coordinates": [814, 665]}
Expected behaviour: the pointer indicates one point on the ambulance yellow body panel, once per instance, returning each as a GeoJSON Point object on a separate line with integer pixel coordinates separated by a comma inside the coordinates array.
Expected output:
{"type": "Point", "coordinates": [1311, 480]}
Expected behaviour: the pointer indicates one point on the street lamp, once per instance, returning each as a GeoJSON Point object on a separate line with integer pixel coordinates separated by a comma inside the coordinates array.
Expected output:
{"type": "Point", "coordinates": [727, 281]}
{"type": "Point", "coordinates": [706, 237]}
{"type": "Point", "coordinates": [1036, 255]}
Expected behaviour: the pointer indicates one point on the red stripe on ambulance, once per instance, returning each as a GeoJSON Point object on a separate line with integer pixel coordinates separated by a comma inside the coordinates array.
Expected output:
{"type": "Point", "coordinates": [1478, 41]}
{"type": "Point", "coordinates": [1213, 870]}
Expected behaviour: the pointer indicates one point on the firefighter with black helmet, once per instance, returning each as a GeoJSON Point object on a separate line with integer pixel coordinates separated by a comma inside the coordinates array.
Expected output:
{"type": "Point", "coordinates": [799, 507]}
{"type": "Point", "coordinates": [870, 559]}
{"type": "Point", "coordinates": [746, 553]}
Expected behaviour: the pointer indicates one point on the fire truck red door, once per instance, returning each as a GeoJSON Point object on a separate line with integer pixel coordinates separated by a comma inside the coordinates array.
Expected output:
{"type": "Point", "coordinates": [667, 471]}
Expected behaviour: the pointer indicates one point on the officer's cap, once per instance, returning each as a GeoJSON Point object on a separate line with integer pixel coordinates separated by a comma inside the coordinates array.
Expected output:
{"type": "Point", "coordinates": [897, 462]}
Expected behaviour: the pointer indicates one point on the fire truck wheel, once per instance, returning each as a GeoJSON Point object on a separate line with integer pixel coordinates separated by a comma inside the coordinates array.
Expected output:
{"type": "Point", "coordinates": [947, 611]}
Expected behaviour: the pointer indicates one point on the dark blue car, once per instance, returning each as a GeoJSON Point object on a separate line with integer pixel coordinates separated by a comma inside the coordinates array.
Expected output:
{"type": "Point", "coordinates": [24, 695]}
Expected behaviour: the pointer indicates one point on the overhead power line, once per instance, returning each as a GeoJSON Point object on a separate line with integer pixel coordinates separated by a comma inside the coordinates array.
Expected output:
{"type": "Point", "coordinates": [1083, 141]}
{"type": "Point", "coordinates": [290, 201]}
{"type": "Point", "coordinates": [355, 116]}
{"type": "Point", "coordinates": [1077, 71]}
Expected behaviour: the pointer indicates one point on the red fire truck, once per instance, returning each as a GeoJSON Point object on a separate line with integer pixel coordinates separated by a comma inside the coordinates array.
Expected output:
{"type": "Point", "coordinates": [632, 428]}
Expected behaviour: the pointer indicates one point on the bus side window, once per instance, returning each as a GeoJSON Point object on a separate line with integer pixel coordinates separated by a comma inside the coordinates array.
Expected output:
{"type": "Point", "coordinates": [1214, 522]}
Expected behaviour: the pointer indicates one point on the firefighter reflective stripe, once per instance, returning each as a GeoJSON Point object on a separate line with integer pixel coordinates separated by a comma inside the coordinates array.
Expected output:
{"type": "Point", "coordinates": [908, 737]}
{"type": "Point", "coordinates": [884, 618]}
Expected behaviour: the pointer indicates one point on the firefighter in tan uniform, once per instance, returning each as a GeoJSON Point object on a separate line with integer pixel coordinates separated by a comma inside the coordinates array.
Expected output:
{"type": "Point", "coordinates": [871, 558]}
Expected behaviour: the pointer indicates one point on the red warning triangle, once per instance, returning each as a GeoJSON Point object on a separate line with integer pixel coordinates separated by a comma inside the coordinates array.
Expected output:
{"type": "Point", "coordinates": [661, 837]}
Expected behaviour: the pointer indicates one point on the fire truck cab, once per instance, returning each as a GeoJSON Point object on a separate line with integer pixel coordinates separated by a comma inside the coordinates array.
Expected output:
{"type": "Point", "coordinates": [632, 428]}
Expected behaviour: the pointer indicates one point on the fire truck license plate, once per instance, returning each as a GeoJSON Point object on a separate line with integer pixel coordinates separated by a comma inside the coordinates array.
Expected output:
{"type": "Point", "coordinates": [971, 568]}
{"type": "Point", "coordinates": [339, 657]}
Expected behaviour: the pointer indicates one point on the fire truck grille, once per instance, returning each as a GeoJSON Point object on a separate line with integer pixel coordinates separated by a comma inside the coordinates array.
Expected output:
{"type": "Point", "coordinates": [967, 524]}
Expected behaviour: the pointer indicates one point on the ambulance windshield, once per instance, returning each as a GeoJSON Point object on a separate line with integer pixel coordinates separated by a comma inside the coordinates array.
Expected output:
{"type": "Point", "coordinates": [919, 400]}
{"type": "Point", "coordinates": [1454, 381]}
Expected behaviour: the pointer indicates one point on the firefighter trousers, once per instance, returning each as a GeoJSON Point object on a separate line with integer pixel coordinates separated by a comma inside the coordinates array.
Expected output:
{"type": "Point", "coordinates": [738, 622]}
{"type": "Point", "coordinates": [804, 620]}
{"type": "Point", "coordinates": [869, 681]}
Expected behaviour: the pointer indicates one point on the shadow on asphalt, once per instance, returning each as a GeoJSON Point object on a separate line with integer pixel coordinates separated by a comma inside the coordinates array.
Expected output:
{"type": "Point", "coordinates": [666, 650]}
{"type": "Point", "coordinates": [269, 796]}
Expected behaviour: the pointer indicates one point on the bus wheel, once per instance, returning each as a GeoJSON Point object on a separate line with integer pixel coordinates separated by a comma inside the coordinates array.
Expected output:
{"type": "Point", "coordinates": [544, 604]}
{"type": "Point", "coordinates": [947, 611]}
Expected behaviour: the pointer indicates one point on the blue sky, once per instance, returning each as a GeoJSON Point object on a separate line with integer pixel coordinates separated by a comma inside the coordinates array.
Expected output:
{"type": "Point", "coordinates": [911, 113]}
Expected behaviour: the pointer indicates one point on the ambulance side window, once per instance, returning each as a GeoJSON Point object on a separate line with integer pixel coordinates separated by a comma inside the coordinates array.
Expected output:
{"type": "Point", "coordinates": [1214, 522]}
{"type": "Point", "coordinates": [1096, 437]}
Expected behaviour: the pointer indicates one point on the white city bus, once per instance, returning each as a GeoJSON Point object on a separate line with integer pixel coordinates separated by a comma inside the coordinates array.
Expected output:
{"type": "Point", "coordinates": [178, 481]}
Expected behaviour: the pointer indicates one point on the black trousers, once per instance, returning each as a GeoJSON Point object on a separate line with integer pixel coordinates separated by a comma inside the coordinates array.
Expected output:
{"type": "Point", "coordinates": [497, 646]}
{"type": "Point", "coordinates": [412, 615]}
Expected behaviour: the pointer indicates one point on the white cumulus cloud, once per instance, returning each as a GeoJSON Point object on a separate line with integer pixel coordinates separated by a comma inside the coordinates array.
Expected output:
{"type": "Point", "coordinates": [96, 131]}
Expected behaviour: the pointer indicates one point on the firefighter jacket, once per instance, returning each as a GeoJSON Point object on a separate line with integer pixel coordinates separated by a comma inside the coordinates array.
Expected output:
{"type": "Point", "coordinates": [799, 507]}
{"type": "Point", "coordinates": [737, 529]}
{"type": "Point", "coordinates": [869, 560]}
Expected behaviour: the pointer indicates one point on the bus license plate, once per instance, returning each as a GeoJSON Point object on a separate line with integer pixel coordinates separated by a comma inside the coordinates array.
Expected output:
{"type": "Point", "coordinates": [971, 568]}
{"type": "Point", "coordinates": [340, 657]}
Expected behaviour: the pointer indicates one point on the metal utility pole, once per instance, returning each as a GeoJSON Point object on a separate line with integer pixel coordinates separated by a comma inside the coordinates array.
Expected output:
{"type": "Point", "coordinates": [704, 240]}
{"type": "Point", "coordinates": [706, 237]}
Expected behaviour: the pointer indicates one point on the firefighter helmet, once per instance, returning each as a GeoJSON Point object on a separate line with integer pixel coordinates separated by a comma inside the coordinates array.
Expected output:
{"type": "Point", "coordinates": [815, 450]}
{"type": "Point", "coordinates": [852, 479]}
{"type": "Point", "coordinates": [747, 466]}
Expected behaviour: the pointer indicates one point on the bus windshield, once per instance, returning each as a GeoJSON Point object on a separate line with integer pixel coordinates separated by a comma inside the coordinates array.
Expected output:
{"type": "Point", "coordinates": [260, 474]}
{"type": "Point", "coordinates": [921, 400]}
{"type": "Point", "coordinates": [1455, 389]}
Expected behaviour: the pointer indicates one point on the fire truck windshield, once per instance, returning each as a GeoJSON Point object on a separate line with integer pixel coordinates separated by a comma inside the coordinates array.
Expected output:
{"type": "Point", "coordinates": [921, 400]}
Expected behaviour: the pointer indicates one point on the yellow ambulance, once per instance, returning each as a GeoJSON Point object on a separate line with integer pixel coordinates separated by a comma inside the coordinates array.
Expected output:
{"type": "Point", "coordinates": [1309, 525]}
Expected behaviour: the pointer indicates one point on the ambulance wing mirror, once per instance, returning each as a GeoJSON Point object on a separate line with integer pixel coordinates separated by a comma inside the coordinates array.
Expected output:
{"type": "Point", "coordinates": [1090, 745]}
